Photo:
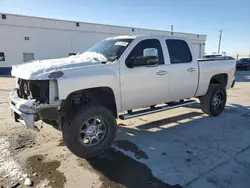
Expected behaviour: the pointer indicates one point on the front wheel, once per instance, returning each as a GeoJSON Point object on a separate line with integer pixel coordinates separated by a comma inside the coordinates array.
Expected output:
{"type": "Point", "coordinates": [90, 131]}
{"type": "Point", "coordinates": [213, 103]}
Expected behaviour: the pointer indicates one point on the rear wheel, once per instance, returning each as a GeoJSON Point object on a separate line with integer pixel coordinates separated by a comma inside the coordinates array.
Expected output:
{"type": "Point", "coordinates": [213, 103]}
{"type": "Point", "coordinates": [90, 131]}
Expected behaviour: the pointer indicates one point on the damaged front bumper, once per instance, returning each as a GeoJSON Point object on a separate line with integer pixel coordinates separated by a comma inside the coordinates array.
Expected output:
{"type": "Point", "coordinates": [28, 111]}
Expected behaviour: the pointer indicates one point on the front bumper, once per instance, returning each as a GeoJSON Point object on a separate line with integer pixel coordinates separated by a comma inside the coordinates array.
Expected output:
{"type": "Point", "coordinates": [23, 110]}
{"type": "Point", "coordinates": [28, 111]}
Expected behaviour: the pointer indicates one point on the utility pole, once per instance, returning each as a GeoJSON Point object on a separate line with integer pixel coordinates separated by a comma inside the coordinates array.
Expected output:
{"type": "Point", "coordinates": [172, 28]}
{"type": "Point", "coordinates": [219, 41]}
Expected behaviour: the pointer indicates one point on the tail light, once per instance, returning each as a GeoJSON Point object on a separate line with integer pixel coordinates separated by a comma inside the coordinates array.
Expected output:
{"type": "Point", "coordinates": [235, 71]}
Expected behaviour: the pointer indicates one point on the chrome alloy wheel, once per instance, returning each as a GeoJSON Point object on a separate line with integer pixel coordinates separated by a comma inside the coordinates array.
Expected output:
{"type": "Point", "coordinates": [93, 131]}
{"type": "Point", "coordinates": [217, 100]}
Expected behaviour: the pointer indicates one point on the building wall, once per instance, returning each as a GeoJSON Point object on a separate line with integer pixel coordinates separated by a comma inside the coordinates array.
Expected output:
{"type": "Point", "coordinates": [49, 38]}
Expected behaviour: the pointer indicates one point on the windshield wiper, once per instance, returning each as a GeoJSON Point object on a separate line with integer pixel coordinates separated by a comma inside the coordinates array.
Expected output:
{"type": "Point", "coordinates": [95, 58]}
{"type": "Point", "coordinates": [103, 62]}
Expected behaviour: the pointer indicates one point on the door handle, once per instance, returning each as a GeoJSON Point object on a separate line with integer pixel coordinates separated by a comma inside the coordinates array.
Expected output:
{"type": "Point", "coordinates": [161, 72]}
{"type": "Point", "coordinates": [191, 69]}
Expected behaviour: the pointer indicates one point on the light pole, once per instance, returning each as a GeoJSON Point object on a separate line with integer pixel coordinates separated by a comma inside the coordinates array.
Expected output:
{"type": "Point", "coordinates": [219, 41]}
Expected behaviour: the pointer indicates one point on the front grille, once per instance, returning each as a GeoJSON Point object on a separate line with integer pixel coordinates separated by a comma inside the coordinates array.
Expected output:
{"type": "Point", "coordinates": [34, 89]}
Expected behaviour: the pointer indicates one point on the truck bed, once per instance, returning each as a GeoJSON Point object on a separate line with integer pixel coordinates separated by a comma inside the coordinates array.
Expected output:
{"type": "Point", "coordinates": [210, 67]}
{"type": "Point", "coordinates": [213, 59]}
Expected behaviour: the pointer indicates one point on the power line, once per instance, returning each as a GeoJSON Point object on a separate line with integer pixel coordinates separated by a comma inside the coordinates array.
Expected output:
{"type": "Point", "coordinates": [219, 41]}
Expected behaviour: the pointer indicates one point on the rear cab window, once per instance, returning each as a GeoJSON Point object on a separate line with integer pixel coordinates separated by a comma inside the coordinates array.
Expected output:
{"type": "Point", "coordinates": [179, 51]}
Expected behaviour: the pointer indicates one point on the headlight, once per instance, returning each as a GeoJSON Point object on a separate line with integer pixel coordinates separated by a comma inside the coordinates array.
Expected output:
{"type": "Point", "coordinates": [26, 109]}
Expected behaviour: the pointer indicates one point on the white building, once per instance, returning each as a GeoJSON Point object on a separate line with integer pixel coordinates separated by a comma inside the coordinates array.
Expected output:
{"type": "Point", "coordinates": [24, 38]}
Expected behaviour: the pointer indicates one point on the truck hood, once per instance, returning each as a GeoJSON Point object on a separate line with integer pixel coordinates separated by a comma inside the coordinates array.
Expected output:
{"type": "Point", "coordinates": [40, 69]}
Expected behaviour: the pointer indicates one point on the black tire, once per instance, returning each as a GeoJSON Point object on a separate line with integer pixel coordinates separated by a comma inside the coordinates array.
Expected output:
{"type": "Point", "coordinates": [207, 105]}
{"type": "Point", "coordinates": [73, 125]}
{"type": "Point", "coordinates": [53, 123]}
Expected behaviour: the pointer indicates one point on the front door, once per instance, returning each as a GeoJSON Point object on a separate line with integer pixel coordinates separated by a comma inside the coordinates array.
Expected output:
{"type": "Point", "coordinates": [143, 86]}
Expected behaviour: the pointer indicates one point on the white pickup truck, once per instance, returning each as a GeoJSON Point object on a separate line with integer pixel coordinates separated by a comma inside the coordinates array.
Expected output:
{"type": "Point", "coordinates": [121, 77]}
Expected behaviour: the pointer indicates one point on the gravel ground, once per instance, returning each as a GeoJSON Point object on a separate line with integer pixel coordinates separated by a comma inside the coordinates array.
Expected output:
{"type": "Point", "coordinates": [176, 148]}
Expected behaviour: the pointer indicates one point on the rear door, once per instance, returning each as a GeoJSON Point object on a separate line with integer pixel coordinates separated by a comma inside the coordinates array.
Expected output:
{"type": "Point", "coordinates": [183, 70]}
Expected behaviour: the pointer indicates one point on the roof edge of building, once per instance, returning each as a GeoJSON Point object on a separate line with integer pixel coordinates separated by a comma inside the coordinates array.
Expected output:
{"type": "Point", "coordinates": [109, 25]}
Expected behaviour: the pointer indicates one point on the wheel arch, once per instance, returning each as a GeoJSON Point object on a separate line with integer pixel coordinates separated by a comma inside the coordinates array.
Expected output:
{"type": "Point", "coordinates": [102, 95]}
{"type": "Point", "coordinates": [220, 79]}
{"type": "Point", "coordinates": [205, 82]}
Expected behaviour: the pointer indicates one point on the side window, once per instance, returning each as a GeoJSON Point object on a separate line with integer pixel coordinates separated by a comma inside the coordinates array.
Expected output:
{"type": "Point", "coordinates": [179, 51]}
{"type": "Point", "coordinates": [2, 57]}
{"type": "Point", "coordinates": [148, 47]}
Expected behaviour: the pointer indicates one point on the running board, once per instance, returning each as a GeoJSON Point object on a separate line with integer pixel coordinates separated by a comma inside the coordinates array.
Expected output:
{"type": "Point", "coordinates": [155, 110]}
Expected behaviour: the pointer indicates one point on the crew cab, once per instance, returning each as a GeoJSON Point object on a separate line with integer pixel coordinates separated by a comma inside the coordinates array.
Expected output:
{"type": "Point", "coordinates": [121, 77]}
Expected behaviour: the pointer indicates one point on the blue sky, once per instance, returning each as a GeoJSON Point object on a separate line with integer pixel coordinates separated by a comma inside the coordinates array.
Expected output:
{"type": "Point", "coordinates": [194, 16]}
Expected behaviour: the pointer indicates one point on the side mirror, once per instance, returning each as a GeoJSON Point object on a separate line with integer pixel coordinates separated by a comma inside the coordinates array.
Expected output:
{"type": "Point", "coordinates": [149, 58]}
{"type": "Point", "coordinates": [150, 52]}
{"type": "Point", "coordinates": [142, 61]}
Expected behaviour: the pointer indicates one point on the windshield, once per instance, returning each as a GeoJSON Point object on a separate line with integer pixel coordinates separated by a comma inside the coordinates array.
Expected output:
{"type": "Point", "coordinates": [111, 49]}
{"type": "Point", "coordinates": [245, 60]}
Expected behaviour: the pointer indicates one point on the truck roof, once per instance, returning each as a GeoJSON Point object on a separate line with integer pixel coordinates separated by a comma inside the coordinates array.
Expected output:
{"type": "Point", "coordinates": [142, 36]}
{"type": "Point", "coordinates": [123, 37]}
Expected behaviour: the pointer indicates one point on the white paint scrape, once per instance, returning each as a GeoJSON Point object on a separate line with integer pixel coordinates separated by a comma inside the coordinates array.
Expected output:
{"type": "Point", "coordinates": [8, 165]}
{"type": "Point", "coordinates": [39, 67]}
